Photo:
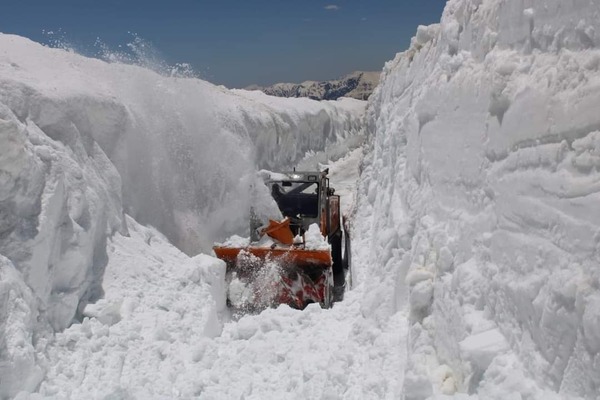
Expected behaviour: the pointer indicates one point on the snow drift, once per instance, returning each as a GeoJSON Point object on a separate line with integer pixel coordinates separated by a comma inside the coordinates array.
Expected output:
{"type": "Point", "coordinates": [144, 336]}
{"type": "Point", "coordinates": [479, 200]}
{"type": "Point", "coordinates": [83, 141]}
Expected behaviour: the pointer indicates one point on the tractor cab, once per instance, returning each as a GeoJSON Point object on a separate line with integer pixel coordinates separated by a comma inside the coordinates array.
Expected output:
{"type": "Point", "coordinates": [304, 198]}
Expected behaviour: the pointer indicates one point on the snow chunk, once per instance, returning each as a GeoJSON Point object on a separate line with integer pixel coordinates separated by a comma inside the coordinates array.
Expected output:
{"type": "Point", "coordinates": [445, 376]}
{"type": "Point", "coordinates": [106, 312]}
{"type": "Point", "coordinates": [314, 240]}
{"type": "Point", "coordinates": [421, 296]}
{"type": "Point", "coordinates": [529, 13]}
{"type": "Point", "coordinates": [426, 33]}
{"type": "Point", "coordinates": [236, 241]}
{"type": "Point", "coordinates": [240, 293]}
{"type": "Point", "coordinates": [445, 260]}
{"type": "Point", "coordinates": [416, 386]}
{"type": "Point", "coordinates": [481, 348]}
{"type": "Point", "coordinates": [417, 275]}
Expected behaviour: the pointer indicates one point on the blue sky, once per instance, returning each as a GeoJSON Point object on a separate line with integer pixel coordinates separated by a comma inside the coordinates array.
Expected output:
{"type": "Point", "coordinates": [235, 42]}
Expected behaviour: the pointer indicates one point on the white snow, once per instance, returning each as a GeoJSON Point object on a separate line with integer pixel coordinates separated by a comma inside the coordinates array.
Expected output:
{"type": "Point", "coordinates": [186, 150]}
{"type": "Point", "coordinates": [83, 141]}
{"type": "Point", "coordinates": [478, 201]}
{"type": "Point", "coordinates": [160, 306]}
{"type": "Point", "coordinates": [343, 173]}
{"type": "Point", "coordinates": [314, 239]}
{"type": "Point", "coordinates": [482, 348]}
{"type": "Point", "coordinates": [475, 228]}
{"type": "Point", "coordinates": [19, 369]}
{"type": "Point", "coordinates": [240, 293]}
{"type": "Point", "coordinates": [163, 338]}
{"type": "Point", "coordinates": [235, 241]}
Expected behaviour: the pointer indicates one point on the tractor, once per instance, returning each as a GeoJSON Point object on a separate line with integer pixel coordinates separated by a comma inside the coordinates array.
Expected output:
{"type": "Point", "coordinates": [303, 258]}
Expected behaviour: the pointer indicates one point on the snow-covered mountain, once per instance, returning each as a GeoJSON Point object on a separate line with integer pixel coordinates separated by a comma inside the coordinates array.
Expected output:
{"type": "Point", "coordinates": [358, 85]}
{"type": "Point", "coordinates": [479, 199]}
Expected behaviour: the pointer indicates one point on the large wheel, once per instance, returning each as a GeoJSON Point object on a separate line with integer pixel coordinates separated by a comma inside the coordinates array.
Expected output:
{"type": "Point", "coordinates": [347, 250]}
{"type": "Point", "coordinates": [336, 255]}
{"type": "Point", "coordinates": [338, 266]}
{"type": "Point", "coordinates": [347, 262]}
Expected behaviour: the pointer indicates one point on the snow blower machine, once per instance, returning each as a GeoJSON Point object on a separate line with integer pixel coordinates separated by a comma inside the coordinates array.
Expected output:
{"type": "Point", "coordinates": [296, 261]}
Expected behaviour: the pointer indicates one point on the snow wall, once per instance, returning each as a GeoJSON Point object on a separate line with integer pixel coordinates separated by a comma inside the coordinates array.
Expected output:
{"type": "Point", "coordinates": [479, 200]}
{"type": "Point", "coordinates": [83, 141]}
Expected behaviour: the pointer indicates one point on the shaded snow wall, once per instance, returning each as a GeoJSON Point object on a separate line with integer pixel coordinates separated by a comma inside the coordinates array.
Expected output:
{"type": "Point", "coordinates": [83, 141]}
{"type": "Point", "coordinates": [479, 199]}
{"type": "Point", "coordinates": [59, 201]}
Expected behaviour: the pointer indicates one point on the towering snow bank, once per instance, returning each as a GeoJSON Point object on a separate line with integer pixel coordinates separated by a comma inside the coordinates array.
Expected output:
{"type": "Point", "coordinates": [58, 202]}
{"type": "Point", "coordinates": [479, 199]}
{"type": "Point", "coordinates": [184, 148]}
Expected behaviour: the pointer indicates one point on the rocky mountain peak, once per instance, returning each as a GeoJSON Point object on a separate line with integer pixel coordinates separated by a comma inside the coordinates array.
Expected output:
{"type": "Point", "coordinates": [358, 85]}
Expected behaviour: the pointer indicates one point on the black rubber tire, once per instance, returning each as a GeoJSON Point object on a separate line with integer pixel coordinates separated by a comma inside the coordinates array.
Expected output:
{"type": "Point", "coordinates": [336, 255]}
{"type": "Point", "coordinates": [347, 250]}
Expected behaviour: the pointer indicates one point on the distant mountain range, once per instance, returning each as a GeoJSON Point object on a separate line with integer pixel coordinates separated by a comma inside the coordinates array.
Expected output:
{"type": "Point", "coordinates": [358, 85]}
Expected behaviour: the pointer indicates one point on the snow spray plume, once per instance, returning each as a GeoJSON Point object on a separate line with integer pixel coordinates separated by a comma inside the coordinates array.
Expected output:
{"type": "Point", "coordinates": [182, 171]}
{"type": "Point", "coordinates": [58, 40]}
{"type": "Point", "coordinates": [259, 288]}
{"type": "Point", "coordinates": [142, 53]}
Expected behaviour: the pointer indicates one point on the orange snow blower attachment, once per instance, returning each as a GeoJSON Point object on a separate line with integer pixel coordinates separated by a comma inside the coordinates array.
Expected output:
{"type": "Point", "coordinates": [280, 231]}
{"type": "Point", "coordinates": [259, 277]}
{"type": "Point", "coordinates": [294, 255]}
{"type": "Point", "coordinates": [282, 268]}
